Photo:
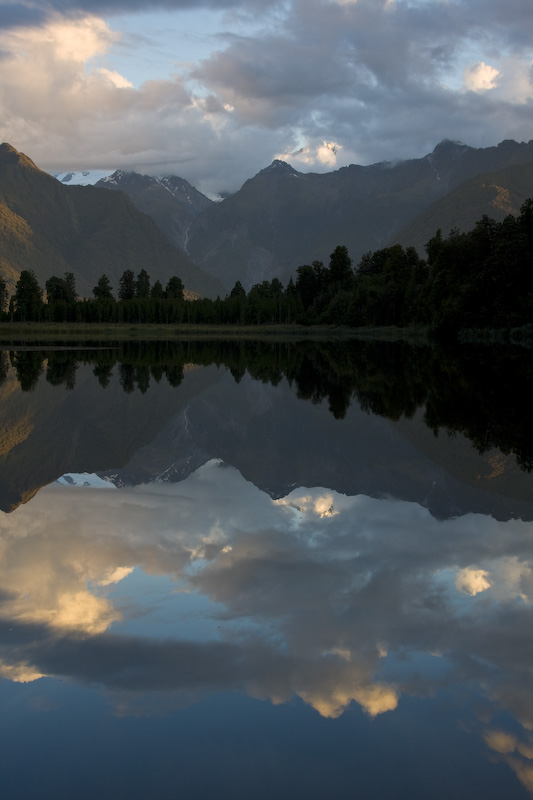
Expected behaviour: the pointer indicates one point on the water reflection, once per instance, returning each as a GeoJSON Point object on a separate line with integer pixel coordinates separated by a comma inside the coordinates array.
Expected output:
{"type": "Point", "coordinates": [479, 391]}
{"type": "Point", "coordinates": [320, 596]}
{"type": "Point", "coordinates": [200, 575]}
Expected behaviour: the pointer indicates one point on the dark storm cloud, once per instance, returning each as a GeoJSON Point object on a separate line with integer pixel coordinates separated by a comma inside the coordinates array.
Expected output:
{"type": "Point", "coordinates": [12, 15]}
{"type": "Point", "coordinates": [511, 20]}
{"type": "Point", "coordinates": [33, 13]}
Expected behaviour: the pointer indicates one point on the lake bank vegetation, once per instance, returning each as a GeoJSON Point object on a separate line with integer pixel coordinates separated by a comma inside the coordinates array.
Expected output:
{"type": "Point", "coordinates": [476, 281]}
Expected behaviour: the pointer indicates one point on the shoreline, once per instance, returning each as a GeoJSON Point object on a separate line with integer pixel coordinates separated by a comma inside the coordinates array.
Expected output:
{"type": "Point", "coordinates": [17, 332]}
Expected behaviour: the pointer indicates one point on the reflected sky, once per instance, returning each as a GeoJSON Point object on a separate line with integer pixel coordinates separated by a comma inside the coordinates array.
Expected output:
{"type": "Point", "coordinates": [163, 596]}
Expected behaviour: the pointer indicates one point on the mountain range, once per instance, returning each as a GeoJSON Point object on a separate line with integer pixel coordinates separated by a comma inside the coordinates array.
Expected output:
{"type": "Point", "coordinates": [278, 220]}
{"type": "Point", "coordinates": [51, 228]}
{"type": "Point", "coordinates": [282, 218]}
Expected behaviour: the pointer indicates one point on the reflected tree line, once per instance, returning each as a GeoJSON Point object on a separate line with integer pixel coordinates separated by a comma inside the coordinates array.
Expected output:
{"type": "Point", "coordinates": [483, 393]}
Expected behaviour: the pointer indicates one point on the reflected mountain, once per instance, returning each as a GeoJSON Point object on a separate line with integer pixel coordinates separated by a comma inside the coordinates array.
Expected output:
{"type": "Point", "coordinates": [308, 566]}
{"type": "Point", "coordinates": [417, 423]}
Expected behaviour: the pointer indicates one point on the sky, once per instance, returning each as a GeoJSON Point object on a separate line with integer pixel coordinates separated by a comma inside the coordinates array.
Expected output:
{"type": "Point", "coordinates": [214, 90]}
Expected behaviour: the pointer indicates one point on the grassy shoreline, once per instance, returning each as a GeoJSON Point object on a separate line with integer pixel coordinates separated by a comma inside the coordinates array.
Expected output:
{"type": "Point", "coordinates": [20, 332]}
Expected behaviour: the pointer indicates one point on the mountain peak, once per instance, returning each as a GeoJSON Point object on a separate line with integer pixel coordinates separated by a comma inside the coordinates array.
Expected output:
{"type": "Point", "coordinates": [450, 145]}
{"type": "Point", "coordinates": [10, 156]}
{"type": "Point", "coordinates": [117, 176]}
{"type": "Point", "coordinates": [279, 167]}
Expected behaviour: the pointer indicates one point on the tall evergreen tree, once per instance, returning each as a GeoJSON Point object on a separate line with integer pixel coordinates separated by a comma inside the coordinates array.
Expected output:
{"type": "Point", "coordinates": [340, 270]}
{"type": "Point", "coordinates": [61, 290]}
{"type": "Point", "coordinates": [238, 290]}
{"type": "Point", "coordinates": [174, 290]}
{"type": "Point", "coordinates": [157, 291]}
{"type": "Point", "coordinates": [127, 285]}
{"type": "Point", "coordinates": [142, 285]}
{"type": "Point", "coordinates": [28, 296]}
{"type": "Point", "coordinates": [70, 288]}
{"type": "Point", "coordinates": [103, 289]}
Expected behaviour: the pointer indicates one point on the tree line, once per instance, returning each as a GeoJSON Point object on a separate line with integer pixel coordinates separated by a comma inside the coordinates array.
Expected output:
{"type": "Point", "coordinates": [138, 300]}
{"type": "Point", "coordinates": [479, 279]}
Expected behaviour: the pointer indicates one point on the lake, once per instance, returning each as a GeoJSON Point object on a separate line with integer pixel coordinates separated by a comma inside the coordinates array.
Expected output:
{"type": "Point", "coordinates": [257, 570]}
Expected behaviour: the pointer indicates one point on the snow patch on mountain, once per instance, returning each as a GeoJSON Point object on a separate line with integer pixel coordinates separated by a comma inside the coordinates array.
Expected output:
{"type": "Point", "coordinates": [84, 479]}
{"type": "Point", "coordinates": [85, 178]}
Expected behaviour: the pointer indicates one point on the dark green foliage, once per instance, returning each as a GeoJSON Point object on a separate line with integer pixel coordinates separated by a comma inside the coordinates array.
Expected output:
{"type": "Point", "coordinates": [4, 295]}
{"type": "Point", "coordinates": [61, 289]}
{"type": "Point", "coordinates": [174, 290]}
{"type": "Point", "coordinates": [103, 289]}
{"type": "Point", "coordinates": [28, 366]}
{"type": "Point", "coordinates": [61, 369]}
{"type": "Point", "coordinates": [238, 290]}
{"type": "Point", "coordinates": [481, 279]}
{"type": "Point", "coordinates": [28, 298]}
{"type": "Point", "coordinates": [142, 285]}
{"type": "Point", "coordinates": [340, 277]}
{"type": "Point", "coordinates": [157, 292]}
{"type": "Point", "coordinates": [70, 288]}
{"type": "Point", "coordinates": [127, 286]}
{"type": "Point", "coordinates": [387, 286]}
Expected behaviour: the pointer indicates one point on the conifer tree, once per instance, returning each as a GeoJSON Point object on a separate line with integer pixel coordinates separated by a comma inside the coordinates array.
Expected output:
{"type": "Point", "coordinates": [127, 285]}
{"type": "Point", "coordinates": [28, 296]}
{"type": "Point", "coordinates": [103, 289]}
{"type": "Point", "coordinates": [142, 285]}
{"type": "Point", "coordinates": [174, 290]}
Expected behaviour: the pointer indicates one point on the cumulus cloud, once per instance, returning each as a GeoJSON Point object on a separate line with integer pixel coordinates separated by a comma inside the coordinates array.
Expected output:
{"type": "Point", "coordinates": [282, 585]}
{"type": "Point", "coordinates": [472, 581]}
{"type": "Point", "coordinates": [19, 673]}
{"type": "Point", "coordinates": [480, 77]}
{"type": "Point", "coordinates": [515, 752]}
{"type": "Point", "coordinates": [57, 109]}
{"type": "Point", "coordinates": [331, 82]}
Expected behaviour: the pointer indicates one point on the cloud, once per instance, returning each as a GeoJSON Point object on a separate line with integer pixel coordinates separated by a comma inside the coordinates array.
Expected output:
{"type": "Point", "coordinates": [19, 673]}
{"type": "Point", "coordinates": [480, 77]}
{"type": "Point", "coordinates": [335, 83]}
{"type": "Point", "coordinates": [472, 581]}
{"type": "Point", "coordinates": [506, 745]}
{"type": "Point", "coordinates": [282, 585]}
{"type": "Point", "coordinates": [26, 12]}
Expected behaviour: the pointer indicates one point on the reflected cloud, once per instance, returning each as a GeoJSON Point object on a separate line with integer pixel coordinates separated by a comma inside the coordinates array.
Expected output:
{"type": "Point", "coordinates": [19, 673]}
{"type": "Point", "coordinates": [211, 585]}
{"type": "Point", "coordinates": [322, 506]}
{"type": "Point", "coordinates": [515, 753]}
{"type": "Point", "coordinates": [472, 581]}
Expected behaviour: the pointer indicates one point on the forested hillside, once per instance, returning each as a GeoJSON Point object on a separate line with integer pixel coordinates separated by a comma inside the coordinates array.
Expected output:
{"type": "Point", "coordinates": [479, 279]}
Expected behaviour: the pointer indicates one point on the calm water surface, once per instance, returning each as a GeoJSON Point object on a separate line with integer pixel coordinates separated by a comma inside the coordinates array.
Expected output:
{"type": "Point", "coordinates": [256, 571]}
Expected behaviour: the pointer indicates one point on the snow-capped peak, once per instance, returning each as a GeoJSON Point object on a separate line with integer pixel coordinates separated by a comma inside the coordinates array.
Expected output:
{"type": "Point", "coordinates": [85, 178]}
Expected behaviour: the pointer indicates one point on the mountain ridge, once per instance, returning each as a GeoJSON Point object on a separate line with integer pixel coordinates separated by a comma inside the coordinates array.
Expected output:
{"type": "Point", "coordinates": [281, 218]}
{"type": "Point", "coordinates": [278, 220]}
{"type": "Point", "coordinates": [52, 228]}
